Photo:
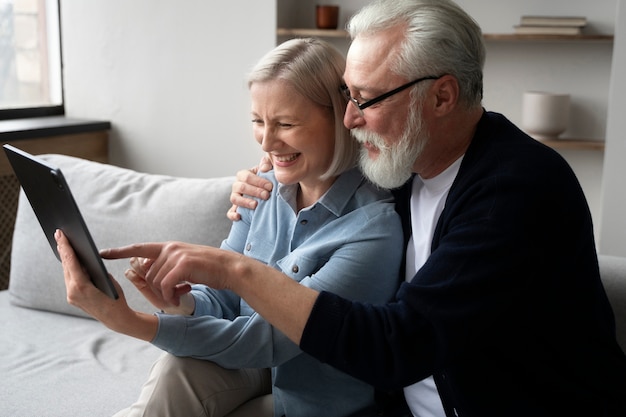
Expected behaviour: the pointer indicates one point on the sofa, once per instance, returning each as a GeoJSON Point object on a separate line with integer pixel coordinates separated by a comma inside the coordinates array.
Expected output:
{"type": "Point", "coordinates": [55, 360]}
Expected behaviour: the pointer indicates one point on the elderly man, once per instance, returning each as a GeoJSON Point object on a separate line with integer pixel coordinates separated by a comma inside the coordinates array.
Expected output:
{"type": "Point", "coordinates": [503, 304]}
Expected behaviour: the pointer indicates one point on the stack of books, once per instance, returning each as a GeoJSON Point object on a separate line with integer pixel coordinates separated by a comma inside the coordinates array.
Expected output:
{"type": "Point", "coordinates": [551, 25]}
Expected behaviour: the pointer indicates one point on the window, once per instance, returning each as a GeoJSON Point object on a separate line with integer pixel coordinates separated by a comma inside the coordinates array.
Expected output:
{"type": "Point", "coordinates": [30, 59]}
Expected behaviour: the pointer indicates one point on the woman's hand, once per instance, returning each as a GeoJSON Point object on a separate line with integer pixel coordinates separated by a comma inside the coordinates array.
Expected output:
{"type": "Point", "coordinates": [249, 184]}
{"type": "Point", "coordinates": [184, 305]}
{"type": "Point", "coordinates": [81, 293]}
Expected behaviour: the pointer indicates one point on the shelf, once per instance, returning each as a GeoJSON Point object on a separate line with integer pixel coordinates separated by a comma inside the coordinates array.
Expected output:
{"type": "Point", "coordinates": [322, 33]}
{"type": "Point", "coordinates": [502, 37]}
{"type": "Point", "coordinates": [574, 144]}
{"type": "Point", "coordinates": [514, 37]}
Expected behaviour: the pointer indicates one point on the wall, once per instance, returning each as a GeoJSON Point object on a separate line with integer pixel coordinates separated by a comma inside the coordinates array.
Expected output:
{"type": "Point", "coordinates": [170, 76]}
{"type": "Point", "coordinates": [580, 69]}
{"type": "Point", "coordinates": [613, 220]}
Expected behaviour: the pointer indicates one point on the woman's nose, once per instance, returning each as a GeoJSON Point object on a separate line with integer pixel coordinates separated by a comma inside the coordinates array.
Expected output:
{"type": "Point", "coordinates": [268, 139]}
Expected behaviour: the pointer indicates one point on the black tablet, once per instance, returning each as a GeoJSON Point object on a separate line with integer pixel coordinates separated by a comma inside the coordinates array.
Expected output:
{"type": "Point", "coordinates": [55, 208]}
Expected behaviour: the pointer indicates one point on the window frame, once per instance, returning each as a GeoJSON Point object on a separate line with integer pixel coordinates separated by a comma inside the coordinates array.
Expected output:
{"type": "Point", "coordinates": [42, 111]}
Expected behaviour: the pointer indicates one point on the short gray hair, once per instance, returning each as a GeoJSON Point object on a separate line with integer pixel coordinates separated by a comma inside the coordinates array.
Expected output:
{"type": "Point", "coordinates": [315, 69]}
{"type": "Point", "coordinates": [440, 38]}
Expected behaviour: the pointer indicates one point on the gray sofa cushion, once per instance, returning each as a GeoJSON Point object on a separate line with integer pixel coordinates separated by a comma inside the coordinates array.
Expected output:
{"type": "Point", "coordinates": [60, 365]}
{"type": "Point", "coordinates": [120, 207]}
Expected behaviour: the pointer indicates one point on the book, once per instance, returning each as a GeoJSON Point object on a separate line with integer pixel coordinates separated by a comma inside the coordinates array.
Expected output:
{"type": "Point", "coordinates": [576, 21]}
{"type": "Point", "coordinates": [548, 30]}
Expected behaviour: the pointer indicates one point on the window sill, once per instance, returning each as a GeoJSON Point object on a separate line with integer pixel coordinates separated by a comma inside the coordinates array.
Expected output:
{"type": "Point", "coordinates": [37, 127]}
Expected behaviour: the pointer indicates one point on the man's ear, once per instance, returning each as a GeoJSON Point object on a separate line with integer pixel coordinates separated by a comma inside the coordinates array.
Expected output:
{"type": "Point", "coordinates": [446, 91]}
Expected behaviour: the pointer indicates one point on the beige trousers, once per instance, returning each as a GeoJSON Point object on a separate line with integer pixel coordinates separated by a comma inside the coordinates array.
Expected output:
{"type": "Point", "coordinates": [186, 387]}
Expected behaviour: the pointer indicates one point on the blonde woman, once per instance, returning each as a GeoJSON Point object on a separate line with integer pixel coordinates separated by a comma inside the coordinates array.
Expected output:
{"type": "Point", "coordinates": [324, 226]}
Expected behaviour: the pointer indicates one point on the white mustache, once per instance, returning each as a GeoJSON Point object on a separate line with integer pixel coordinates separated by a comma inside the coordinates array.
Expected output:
{"type": "Point", "coordinates": [363, 136]}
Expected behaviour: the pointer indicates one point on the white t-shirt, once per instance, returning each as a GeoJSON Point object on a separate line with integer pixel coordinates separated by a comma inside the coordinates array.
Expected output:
{"type": "Point", "coordinates": [428, 199]}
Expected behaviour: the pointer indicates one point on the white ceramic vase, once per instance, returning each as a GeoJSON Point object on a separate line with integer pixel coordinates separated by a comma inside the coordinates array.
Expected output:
{"type": "Point", "coordinates": [545, 115]}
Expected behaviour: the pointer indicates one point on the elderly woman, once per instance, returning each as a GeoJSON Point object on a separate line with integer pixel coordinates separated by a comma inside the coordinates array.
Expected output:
{"type": "Point", "coordinates": [324, 226]}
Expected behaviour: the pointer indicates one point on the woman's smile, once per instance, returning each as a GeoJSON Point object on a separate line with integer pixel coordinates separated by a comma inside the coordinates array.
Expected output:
{"type": "Point", "coordinates": [285, 159]}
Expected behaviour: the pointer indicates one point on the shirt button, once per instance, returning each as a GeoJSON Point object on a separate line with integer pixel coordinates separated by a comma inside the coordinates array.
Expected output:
{"type": "Point", "coordinates": [303, 222]}
{"type": "Point", "coordinates": [295, 269]}
{"type": "Point", "coordinates": [248, 247]}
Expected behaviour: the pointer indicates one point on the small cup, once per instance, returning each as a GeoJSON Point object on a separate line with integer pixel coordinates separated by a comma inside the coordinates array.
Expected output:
{"type": "Point", "coordinates": [326, 16]}
{"type": "Point", "coordinates": [545, 115]}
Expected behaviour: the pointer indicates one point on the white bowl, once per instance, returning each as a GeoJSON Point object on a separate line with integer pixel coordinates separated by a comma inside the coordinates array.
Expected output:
{"type": "Point", "coordinates": [545, 115]}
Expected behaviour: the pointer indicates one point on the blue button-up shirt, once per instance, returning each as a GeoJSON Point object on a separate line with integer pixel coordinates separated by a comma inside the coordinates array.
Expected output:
{"type": "Point", "coordinates": [348, 243]}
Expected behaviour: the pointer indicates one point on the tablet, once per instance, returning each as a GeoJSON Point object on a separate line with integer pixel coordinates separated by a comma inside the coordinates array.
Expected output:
{"type": "Point", "coordinates": [55, 208]}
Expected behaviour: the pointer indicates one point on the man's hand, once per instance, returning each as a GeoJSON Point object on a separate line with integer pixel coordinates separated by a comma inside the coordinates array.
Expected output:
{"type": "Point", "coordinates": [170, 268]}
{"type": "Point", "coordinates": [279, 299]}
{"type": "Point", "coordinates": [251, 185]}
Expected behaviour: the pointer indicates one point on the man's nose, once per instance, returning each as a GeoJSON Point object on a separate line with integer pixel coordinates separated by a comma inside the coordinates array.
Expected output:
{"type": "Point", "coordinates": [352, 117]}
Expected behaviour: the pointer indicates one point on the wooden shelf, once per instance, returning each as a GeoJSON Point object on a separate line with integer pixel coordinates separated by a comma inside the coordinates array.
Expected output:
{"type": "Point", "coordinates": [322, 33]}
{"type": "Point", "coordinates": [502, 37]}
{"type": "Point", "coordinates": [574, 144]}
{"type": "Point", "coordinates": [513, 37]}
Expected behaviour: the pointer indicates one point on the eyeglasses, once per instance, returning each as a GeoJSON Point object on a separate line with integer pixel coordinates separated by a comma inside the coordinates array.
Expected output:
{"type": "Point", "coordinates": [363, 106]}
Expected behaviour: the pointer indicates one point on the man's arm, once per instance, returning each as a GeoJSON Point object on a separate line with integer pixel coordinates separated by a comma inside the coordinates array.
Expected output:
{"type": "Point", "coordinates": [279, 299]}
{"type": "Point", "coordinates": [276, 297]}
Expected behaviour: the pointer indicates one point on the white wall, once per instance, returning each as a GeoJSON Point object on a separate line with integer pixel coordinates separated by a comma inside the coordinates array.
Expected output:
{"type": "Point", "coordinates": [613, 220]}
{"type": "Point", "coordinates": [170, 76]}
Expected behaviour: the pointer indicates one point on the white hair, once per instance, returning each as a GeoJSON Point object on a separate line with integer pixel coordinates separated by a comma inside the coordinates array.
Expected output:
{"type": "Point", "coordinates": [440, 38]}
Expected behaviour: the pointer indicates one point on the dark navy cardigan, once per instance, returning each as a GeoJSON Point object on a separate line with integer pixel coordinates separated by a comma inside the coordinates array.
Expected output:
{"type": "Point", "coordinates": [508, 313]}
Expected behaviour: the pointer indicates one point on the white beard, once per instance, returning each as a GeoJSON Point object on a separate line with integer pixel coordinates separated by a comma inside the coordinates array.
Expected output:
{"type": "Point", "coordinates": [393, 166]}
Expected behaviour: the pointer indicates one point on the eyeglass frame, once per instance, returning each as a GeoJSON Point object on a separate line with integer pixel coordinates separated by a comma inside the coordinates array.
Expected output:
{"type": "Point", "coordinates": [362, 106]}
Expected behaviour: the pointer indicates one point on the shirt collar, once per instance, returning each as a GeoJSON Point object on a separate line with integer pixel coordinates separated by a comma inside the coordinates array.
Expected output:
{"type": "Point", "coordinates": [336, 198]}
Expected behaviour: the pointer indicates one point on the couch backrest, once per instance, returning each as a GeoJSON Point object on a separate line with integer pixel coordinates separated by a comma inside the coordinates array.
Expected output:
{"type": "Point", "coordinates": [120, 207]}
